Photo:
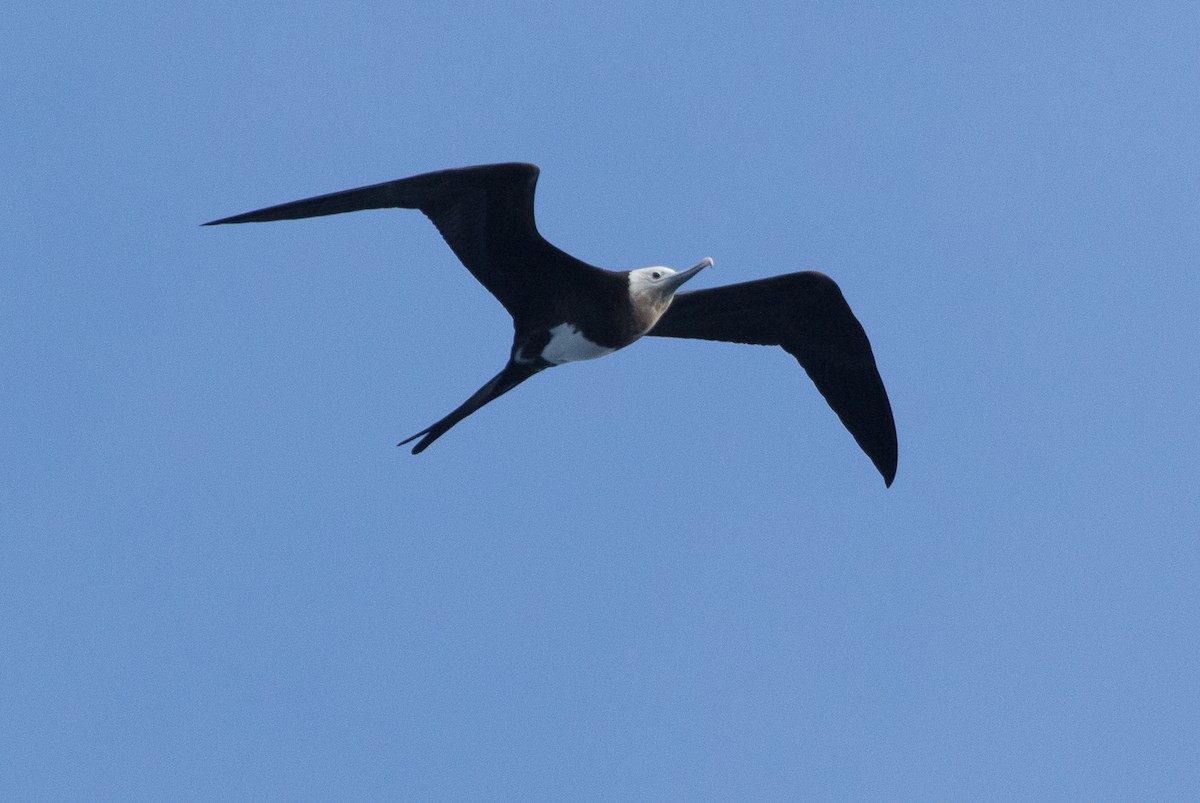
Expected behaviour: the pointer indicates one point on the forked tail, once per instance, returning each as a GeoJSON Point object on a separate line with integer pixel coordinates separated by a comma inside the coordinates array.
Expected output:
{"type": "Point", "coordinates": [512, 375]}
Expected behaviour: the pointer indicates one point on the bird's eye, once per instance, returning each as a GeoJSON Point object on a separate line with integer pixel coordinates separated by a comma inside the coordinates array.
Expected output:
{"type": "Point", "coordinates": [656, 275]}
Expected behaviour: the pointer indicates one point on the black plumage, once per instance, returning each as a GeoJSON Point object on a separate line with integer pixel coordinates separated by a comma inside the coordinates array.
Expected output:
{"type": "Point", "coordinates": [486, 216]}
{"type": "Point", "coordinates": [808, 316]}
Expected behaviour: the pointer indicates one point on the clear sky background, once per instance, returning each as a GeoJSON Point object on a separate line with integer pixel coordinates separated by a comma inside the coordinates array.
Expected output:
{"type": "Point", "coordinates": [666, 574]}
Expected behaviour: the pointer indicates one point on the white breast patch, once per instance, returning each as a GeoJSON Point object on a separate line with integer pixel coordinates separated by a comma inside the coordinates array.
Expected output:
{"type": "Point", "coordinates": [567, 344]}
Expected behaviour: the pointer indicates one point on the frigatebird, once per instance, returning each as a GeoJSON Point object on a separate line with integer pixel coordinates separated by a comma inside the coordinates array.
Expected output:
{"type": "Point", "coordinates": [564, 309]}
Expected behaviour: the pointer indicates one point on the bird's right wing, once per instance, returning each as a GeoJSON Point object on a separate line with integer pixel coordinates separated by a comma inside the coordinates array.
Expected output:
{"type": "Point", "coordinates": [807, 315]}
{"type": "Point", "coordinates": [484, 213]}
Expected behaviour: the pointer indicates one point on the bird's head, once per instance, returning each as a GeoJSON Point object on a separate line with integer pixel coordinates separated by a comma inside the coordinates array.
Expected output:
{"type": "Point", "coordinates": [651, 289]}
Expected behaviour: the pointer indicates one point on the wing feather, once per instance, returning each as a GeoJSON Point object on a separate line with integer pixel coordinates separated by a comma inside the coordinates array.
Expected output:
{"type": "Point", "coordinates": [484, 213]}
{"type": "Point", "coordinates": [808, 316]}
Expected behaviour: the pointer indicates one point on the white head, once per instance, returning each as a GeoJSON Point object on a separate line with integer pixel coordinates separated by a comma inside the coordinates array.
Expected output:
{"type": "Point", "coordinates": [651, 289]}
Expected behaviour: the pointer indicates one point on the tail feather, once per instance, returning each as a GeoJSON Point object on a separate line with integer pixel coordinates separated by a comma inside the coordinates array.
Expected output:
{"type": "Point", "coordinates": [512, 375]}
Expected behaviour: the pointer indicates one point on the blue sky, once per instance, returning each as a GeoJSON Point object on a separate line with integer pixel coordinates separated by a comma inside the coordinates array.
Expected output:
{"type": "Point", "coordinates": [666, 574]}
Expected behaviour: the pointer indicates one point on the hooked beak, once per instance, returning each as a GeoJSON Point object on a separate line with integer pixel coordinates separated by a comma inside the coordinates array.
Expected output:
{"type": "Point", "coordinates": [674, 282]}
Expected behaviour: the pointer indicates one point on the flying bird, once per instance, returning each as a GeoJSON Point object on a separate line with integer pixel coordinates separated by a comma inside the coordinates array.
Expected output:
{"type": "Point", "coordinates": [565, 310]}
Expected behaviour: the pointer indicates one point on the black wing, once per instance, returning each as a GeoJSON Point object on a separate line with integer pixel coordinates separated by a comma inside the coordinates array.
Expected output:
{"type": "Point", "coordinates": [485, 214]}
{"type": "Point", "coordinates": [807, 315]}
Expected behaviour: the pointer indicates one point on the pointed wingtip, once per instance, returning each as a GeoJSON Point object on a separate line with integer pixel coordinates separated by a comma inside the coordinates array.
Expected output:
{"type": "Point", "coordinates": [885, 464]}
{"type": "Point", "coordinates": [234, 219]}
{"type": "Point", "coordinates": [888, 470]}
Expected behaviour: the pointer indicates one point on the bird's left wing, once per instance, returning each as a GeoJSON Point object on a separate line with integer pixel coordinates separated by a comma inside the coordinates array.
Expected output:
{"type": "Point", "coordinates": [484, 213]}
{"type": "Point", "coordinates": [807, 315]}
